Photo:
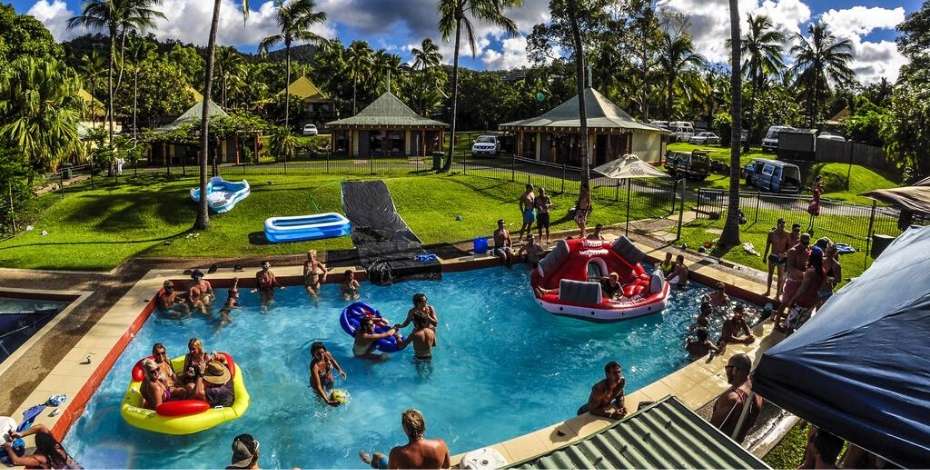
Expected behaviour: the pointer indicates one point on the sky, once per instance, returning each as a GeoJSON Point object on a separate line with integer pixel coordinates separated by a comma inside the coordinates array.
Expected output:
{"type": "Point", "coordinates": [399, 25]}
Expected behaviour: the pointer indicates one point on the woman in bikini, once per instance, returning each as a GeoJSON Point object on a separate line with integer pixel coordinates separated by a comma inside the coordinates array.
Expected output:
{"type": "Point", "coordinates": [160, 356]}
{"type": "Point", "coordinates": [314, 274]}
{"type": "Point", "coordinates": [49, 452]}
{"type": "Point", "coordinates": [350, 286]}
{"type": "Point", "coordinates": [266, 282]}
{"type": "Point", "coordinates": [155, 389]}
{"type": "Point", "coordinates": [321, 373]}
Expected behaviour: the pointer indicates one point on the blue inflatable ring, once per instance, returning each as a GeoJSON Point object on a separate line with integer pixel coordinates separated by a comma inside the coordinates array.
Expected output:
{"type": "Point", "coordinates": [352, 316]}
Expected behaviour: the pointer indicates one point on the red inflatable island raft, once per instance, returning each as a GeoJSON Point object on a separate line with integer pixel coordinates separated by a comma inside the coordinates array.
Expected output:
{"type": "Point", "coordinates": [569, 281]}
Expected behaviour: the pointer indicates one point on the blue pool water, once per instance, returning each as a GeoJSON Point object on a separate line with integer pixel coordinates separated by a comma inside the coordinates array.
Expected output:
{"type": "Point", "coordinates": [503, 367]}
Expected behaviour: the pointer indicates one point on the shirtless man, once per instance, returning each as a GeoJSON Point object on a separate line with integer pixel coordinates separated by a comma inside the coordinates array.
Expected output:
{"type": "Point", "coordinates": [606, 399]}
{"type": "Point", "coordinates": [700, 345]}
{"type": "Point", "coordinates": [365, 339]}
{"type": "Point", "coordinates": [322, 364]}
{"type": "Point", "coordinates": [168, 301]}
{"type": "Point", "coordinates": [526, 211]}
{"type": "Point", "coordinates": [531, 252]}
{"type": "Point", "coordinates": [423, 338]}
{"type": "Point", "coordinates": [200, 294]}
{"type": "Point", "coordinates": [206, 289]}
{"type": "Point", "coordinates": [611, 286]}
{"type": "Point", "coordinates": [542, 203]}
{"type": "Point", "coordinates": [735, 329]}
{"type": "Point", "coordinates": [266, 282]}
{"type": "Point", "coordinates": [502, 245]}
{"type": "Point", "coordinates": [776, 247]}
{"type": "Point", "coordinates": [796, 260]}
{"type": "Point", "coordinates": [421, 306]}
{"type": "Point", "coordinates": [719, 298]}
{"type": "Point", "coordinates": [679, 275]}
{"type": "Point", "coordinates": [419, 452]}
{"type": "Point", "coordinates": [729, 406]}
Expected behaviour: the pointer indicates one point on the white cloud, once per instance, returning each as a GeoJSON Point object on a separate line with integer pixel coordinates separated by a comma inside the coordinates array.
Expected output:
{"type": "Point", "coordinates": [54, 15]}
{"type": "Point", "coordinates": [512, 55]}
{"type": "Point", "coordinates": [872, 60]}
{"type": "Point", "coordinates": [859, 21]}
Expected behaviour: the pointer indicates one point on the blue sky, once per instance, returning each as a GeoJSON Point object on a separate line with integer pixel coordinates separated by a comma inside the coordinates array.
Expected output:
{"type": "Point", "coordinates": [397, 25]}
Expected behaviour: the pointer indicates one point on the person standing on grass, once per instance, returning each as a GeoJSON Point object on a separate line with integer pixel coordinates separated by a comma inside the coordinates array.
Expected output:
{"type": "Point", "coordinates": [542, 204]}
{"type": "Point", "coordinates": [737, 400]}
{"type": "Point", "coordinates": [776, 247]}
{"type": "Point", "coordinates": [582, 210]}
{"type": "Point", "coordinates": [527, 200]}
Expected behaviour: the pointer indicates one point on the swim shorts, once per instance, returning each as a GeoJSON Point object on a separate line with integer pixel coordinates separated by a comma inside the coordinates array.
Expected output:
{"type": "Point", "coordinates": [221, 396]}
{"type": "Point", "coordinates": [542, 219]}
{"type": "Point", "coordinates": [499, 252]}
{"type": "Point", "coordinates": [775, 259]}
{"type": "Point", "coordinates": [528, 216]}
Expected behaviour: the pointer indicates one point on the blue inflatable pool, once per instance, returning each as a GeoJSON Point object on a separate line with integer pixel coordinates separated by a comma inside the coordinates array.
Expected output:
{"type": "Point", "coordinates": [307, 227]}
{"type": "Point", "coordinates": [351, 317]}
{"type": "Point", "coordinates": [223, 195]}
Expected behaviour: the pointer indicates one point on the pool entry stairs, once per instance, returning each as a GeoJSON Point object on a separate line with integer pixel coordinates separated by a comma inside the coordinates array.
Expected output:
{"type": "Point", "coordinates": [387, 248]}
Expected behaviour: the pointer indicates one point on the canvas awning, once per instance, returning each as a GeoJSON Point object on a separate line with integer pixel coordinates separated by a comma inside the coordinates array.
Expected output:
{"type": "Point", "coordinates": [627, 167]}
{"type": "Point", "coordinates": [860, 367]}
{"type": "Point", "coordinates": [384, 112]}
{"type": "Point", "coordinates": [601, 114]}
{"type": "Point", "coordinates": [914, 198]}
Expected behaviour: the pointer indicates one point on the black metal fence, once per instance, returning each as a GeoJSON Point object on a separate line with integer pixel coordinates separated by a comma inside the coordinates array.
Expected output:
{"type": "Point", "coordinates": [845, 222]}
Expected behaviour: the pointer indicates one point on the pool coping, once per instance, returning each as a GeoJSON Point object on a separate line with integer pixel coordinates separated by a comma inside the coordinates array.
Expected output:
{"type": "Point", "coordinates": [696, 384]}
{"type": "Point", "coordinates": [73, 297]}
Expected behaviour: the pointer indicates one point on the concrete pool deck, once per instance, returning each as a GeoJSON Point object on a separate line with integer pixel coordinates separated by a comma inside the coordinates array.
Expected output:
{"type": "Point", "coordinates": [696, 384]}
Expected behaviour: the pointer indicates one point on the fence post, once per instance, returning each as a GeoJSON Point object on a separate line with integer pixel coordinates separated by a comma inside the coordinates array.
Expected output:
{"type": "Point", "coordinates": [563, 178]}
{"type": "Point", "coordinates": [868, 236]}
{"type": "Point", "coordinates": [61, 186]}
{"type": "Point", "coordinates": [758, 202]}
{"type": "Point", "coordinates": [681, 209]}
{"type": "Point", "coordinates": [513, 168]}
{"type": "Point", "coordinates": [328, 155]}
{"type": "Point", "coordinates": [463, 164]}
{"type": "Point", "coordinates": [617, 191]}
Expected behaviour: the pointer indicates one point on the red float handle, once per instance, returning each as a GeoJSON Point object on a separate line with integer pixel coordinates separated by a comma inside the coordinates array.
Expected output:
{"type": "Point", "coordinates": [182, 407]}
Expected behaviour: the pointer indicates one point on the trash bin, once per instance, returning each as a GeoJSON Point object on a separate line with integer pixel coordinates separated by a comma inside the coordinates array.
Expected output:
{"type": "Point", "coordinates": [481, 246]}
{"type": "Point", "coordinates": [437, 160]}
{"type": "Point", "coordinates": [879, 243]}
{"type": "Point", "coordinates": [66, 173]}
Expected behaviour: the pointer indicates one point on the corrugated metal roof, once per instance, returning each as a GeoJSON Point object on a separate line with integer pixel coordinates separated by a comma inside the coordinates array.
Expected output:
{"type": "Point", "coordinates": [601, 113]}
{"type": "Point", "coordinates": [664, 435]}
{"type": "Point", "coordinates": [387, 110]}
{"type": "Point", "coordinates": [194, 114]}
{"type": "Point", "coordinates": [304, 89]}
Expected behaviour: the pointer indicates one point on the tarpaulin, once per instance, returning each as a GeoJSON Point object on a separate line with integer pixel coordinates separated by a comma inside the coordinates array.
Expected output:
{"type": "Point", "coordinates": [860, 368]}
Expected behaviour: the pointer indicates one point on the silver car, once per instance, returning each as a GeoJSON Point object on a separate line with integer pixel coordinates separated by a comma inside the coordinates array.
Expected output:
{"type": "Point", "coordinates": [704, 138]}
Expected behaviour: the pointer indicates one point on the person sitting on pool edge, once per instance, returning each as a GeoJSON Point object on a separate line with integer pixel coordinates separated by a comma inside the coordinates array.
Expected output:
{"type": "Point", "coordinates": [606, 399]}
{"type": "Point", "coordinates": [679, 274]}
{"type": "Point", "coordinates": [423, 338]}
{"type": "Point", "coordinates": [420, 305]}
{"type": "Point", "coordinates": [700, 344]}
{"type": "Point", "coordinates": [321, 373]}
{"type": "Point", "coordinates": [532, 252]}
{"type": "Point", "coordinates": [49, 453]}
{"type": "Point", "coordinates": [314, 274]}
{"type": "Point", "coordinates": [350, 287]}
{"type": "Point", "coordinates": [366, 339]}
{"type": "Point", "coordinates": [169, 302]}
{"type": "Point", "coordinates": [419, 452]}
{"type": "Point", "coordinates": [244, 452]}
{"type": "Point", "coordinates": [735, 329]}
{"type": "Point", "coordinates": [232, 302]}
{"type": "Point", "coordinates": [503, 248]}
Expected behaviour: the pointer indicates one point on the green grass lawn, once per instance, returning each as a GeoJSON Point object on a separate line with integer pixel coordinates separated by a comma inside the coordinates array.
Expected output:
{"type": "Point", "coordinates": [93, 229]}
{"type": "Point", "coordinates": [789, 453]}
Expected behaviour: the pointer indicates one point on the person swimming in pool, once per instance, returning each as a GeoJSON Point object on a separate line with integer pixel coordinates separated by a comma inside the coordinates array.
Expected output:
{"type": "Point", "coordinates": [423, 338]}
{"type": "Point", "coordinates": [266, 282]}
{"type": "Point", "coordinates": [350, 287]}
{"type": "Point", "coordinates": [699, 345]}
{"type": "Point", "coordinates": [366, 339]}
{"type": "Point", "coordinates": [679, 275]}
{"type": "Point", "coordinates": [232, 302]}
{"type": "Point", "coordinates": [314, 274]}
{"type": "Point", "coordinates": [205, 287]}
{"type": "Point", "coordinates": [170, 302]}
{"type": "Point", "coordinates": [322, 365]}
{"type": "Point", "coordinates": [527, 200]}
{"type": "Point", "coordinates": [420, 306]}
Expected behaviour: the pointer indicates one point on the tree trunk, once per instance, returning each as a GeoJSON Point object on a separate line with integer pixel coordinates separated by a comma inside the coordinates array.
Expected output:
{"type": "Point", "coordinates": [287, 94]}
{"type": "Point", "coordinates": [730, 235]}
{"type": "Point", "coordinates": [110, 97]}
{"type": "Point", "coordinates": [354, 86]}
{"type": "Point", "coordinates": [135, 103]}
{"type": "Point", "coordinates": [455, 91]}
{"type": "Point", "coordinates": [669, 97]}
{"type": "Point", "coordinates": [751, 115]}
{"type": "Point", "coordinates": [203, 215]}
{"type": "Point", "coordinates": [584, 191]}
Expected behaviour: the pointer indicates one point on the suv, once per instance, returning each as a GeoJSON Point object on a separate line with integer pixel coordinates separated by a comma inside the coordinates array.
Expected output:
{"type": "Point", "coordinates": [683, 130]}
{"type": "Point", "coordinates": [773, 175]}
{"type": "Point", "coordinates": [486, 145]}
{"type": "Point", "coordinates": [770, 142]}
{"type": "Point", "coordinates": [310, 129]}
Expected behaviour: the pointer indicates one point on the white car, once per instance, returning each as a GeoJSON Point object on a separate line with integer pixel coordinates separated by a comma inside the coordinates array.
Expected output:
{"type": "Point", "coordinates": [310, 129]}
{"type": "Point", "coordinates": [704, 138]}
{"type": "Point", "coordinates": [485, 145]}
{"type": "Point", "coordinates": [826, 136]}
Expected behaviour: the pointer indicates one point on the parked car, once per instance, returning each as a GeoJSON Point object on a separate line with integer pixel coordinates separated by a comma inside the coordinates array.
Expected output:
{"type": "Point", "coordinates": [773, 175]}
{"type": "Point", "coordinates": [310, 129]}
{"type": "Point", "coordinates": [683, 130]}
{"type": "Point", "coordinates": [770, 142]}
{"type": "Point", "coordinates": [834, 137]}
{"type": "Point", "coordinates": [485, 145]}
{"type": "Point", "coordinates": [694, 166]}
{"type": "Point", "coordinates": [704, 138]}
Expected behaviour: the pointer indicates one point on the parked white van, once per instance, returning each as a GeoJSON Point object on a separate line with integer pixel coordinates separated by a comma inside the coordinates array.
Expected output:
{"type": "Point", "coordinates": [683, 130]}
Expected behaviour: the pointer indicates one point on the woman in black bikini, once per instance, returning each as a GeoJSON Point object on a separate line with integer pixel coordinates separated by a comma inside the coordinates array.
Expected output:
{"type": "Point", "coordinates": [49, 452]}
{"type": "Point", "coordinates": [321, 373]}
{"type": "Point", "coordinates": [314, 274]}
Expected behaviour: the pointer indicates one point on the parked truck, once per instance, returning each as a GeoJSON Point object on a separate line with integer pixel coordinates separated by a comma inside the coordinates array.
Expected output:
{"type": "Point", "coordinates": [797, 144]}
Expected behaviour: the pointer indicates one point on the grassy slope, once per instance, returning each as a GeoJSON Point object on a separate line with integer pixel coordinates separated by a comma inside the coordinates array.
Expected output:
{"type": "Point", "coordinates": [99, 228]}
{"type": "Point", "coordinates": [789, 453]}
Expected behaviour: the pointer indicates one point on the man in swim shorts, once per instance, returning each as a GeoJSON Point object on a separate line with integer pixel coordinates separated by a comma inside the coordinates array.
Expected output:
{"type": "Point", "coordinates": [169, 302]}
{"type": "Point", "coordinates": [200, 294]}
{"type": "Point", "coordinates": [531, 252]}
{"type": "Point", "coordinates": [542, 204]}
{"type": "Point", "coordinates": [423, 338]}
{"type": "Point", "coordinates": [502, 245]}
{"type": "Point", "coordinates": [583, 209]}
{"type": "Point", "coordinates": [526, 211]}
{"type": "Point", "coordinates": [266, 282]}
{"type": "Point", "coordinates": [606, 399]}
{"type": "Point", "coordinates": [776, 247]}
{"type": "Point", "coordinates": [796, 264]}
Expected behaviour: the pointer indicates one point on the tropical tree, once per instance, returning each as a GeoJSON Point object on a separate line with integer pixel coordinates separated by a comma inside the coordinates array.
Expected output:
{"type": "Point", "coordinates": [359, 60]}
{"type": "Point", "coordinates": [762, 48]}
{"type": "Point", "coordinates": [676, 55]}
{"type": "Point", "coordinates": [430, 77]}
{"type": "Point", "coordinates": [139, 48]}
{"type": "Point", "coordinates": [230, 63]}
{"type": "Point", "coordinates": [820, 59]}
{"type": "Point", "coordinates": [39, 109]}
{"type": "Point", "coordinates": [584, 191]}
{"type": "Point", "coordinates": [203, 215]}
{"type": "Point", "coordinates": [730, 235]}
{"type": "Point", "coordinates": [426, 56]}
{"type": "Point", "coordinates": [93, 67]}
{"type": "Point", "coordinates": [116, 17]}
{"type": "Point", "coordinates": [385, 65]}
{"type": "Point", "coordinates": [454, 14]}
{"type": "Point", "coordinates": [295, 18]}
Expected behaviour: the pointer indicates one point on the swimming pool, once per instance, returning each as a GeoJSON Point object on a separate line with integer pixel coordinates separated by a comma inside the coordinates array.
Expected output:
{"type": "Point", "coordinates": [20, 318]}
{"type": "Point", "coordinates": [503, 367]}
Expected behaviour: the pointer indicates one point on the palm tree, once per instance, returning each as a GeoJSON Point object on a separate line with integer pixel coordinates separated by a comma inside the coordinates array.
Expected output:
{"type": "Point", "coordinates": [820, 59]}
{"type": "Point", "coordinates": [139, 48]}
{"type": "Point", "coordinates": [762, 47]}
{"type": "Point", "coordinates": [427, 56]}
{"type": "Point", "coordinates": [584, 190]}
{"type": "Point", "coordinates": [453, 15]}
{"type": "Point", "coordinates": [203, 215]}
{"type": "Point", "coordinates": [384, 65]}
{"type": "Point", "coordinates": [295, 18]}
{"type": "Point", "coordinates": [116, 17]}
{"type": "Point", "coordinates": [730, 235]}
{"type": "Point", "coordinates": [40, 97]}
{"type": "Point", "coordinates": [359, 61]}
{"type": "Point", "coordinates": [427, 59]}
{"type": "Point", "coordinates": [230, 63]}
{"type": "Point", "coordinates": [675, 56]}
{"type": "Point", "coordinates": [92, 67]}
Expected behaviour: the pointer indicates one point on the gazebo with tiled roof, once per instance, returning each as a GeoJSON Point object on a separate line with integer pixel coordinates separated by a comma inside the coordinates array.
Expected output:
{"type": "Point", "coordinates": [386, 127]}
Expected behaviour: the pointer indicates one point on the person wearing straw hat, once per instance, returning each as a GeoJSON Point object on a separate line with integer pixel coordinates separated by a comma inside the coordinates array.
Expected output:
{"type": "Point", "coordinates": [244, 452]}
{"type": "Point", "coordinates": [214, 385]}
